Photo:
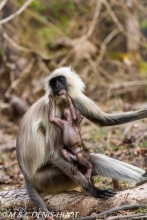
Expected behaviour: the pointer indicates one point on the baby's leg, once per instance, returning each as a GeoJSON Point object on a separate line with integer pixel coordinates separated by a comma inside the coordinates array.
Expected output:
{"type": "Point", "coordinates": [70, 158]}
{"type": "Point", "coordinates": [66, 155]}
{"type": "Point", "coordinates": [83, 161]}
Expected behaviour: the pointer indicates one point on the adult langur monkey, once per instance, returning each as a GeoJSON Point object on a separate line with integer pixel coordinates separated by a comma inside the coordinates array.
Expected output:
{"type": "Point", "coordinates": [39, 143]}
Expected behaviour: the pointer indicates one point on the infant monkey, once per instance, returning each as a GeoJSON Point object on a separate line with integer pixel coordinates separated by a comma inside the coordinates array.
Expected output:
{"type": "Point", "coordinates": [72, 140]}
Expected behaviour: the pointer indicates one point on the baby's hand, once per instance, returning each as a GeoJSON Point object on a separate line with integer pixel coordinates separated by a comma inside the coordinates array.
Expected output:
{"type": "Point", "coordinates": [51, 94]}
{"type": "Point", "coordinates": [62, 92]}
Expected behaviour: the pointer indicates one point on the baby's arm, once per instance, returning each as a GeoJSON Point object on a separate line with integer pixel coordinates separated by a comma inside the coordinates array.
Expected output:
{"type": "Point", "coordinates": [52, 118]}
{"type": "Point", "coordinates": [71, 106]}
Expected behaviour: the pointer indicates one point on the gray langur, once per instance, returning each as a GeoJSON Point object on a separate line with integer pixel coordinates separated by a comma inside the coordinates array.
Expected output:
{"type": "Point", "coordinates": [39, 143]}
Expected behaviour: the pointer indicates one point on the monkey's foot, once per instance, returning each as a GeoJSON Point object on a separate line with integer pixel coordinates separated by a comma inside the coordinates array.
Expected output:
{"type": "Point", "coordinates": [74, 169]}
{"type": "Point", "coordinates": [99, 193]}
{"type": "Point", "coordinates": [88, 177]}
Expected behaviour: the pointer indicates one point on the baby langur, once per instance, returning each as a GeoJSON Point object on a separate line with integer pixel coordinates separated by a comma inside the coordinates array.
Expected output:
{"type": "Point", "coordinates": [72, 140]}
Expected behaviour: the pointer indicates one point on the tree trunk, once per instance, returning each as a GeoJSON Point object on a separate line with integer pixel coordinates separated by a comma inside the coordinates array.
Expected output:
{"type": "Point", "coordinates": [74, 201]}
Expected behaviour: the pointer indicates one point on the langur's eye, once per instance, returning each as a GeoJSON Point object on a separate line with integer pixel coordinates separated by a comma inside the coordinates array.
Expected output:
{"type": "Point", "coordinates": [52, 83]}
{"type": "Point", "coordinates": [62, 79]}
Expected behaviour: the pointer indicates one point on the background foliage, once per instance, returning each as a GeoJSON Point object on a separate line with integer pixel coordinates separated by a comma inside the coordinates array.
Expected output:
{"type": "Point", "coordinates": [104, 41]}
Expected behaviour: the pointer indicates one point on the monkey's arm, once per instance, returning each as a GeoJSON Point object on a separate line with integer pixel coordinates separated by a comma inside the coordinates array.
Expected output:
{"type": "Point", "coordinates": [72, 108]}
{"type": "Point", "coordinates": [92, 112]}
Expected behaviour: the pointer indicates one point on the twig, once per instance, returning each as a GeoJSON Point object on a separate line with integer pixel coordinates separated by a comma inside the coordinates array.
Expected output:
{"type": "Point", "coordinates": [2, 4]}
{"type": "Point", "coordinates": [128, 84]}
{"type": "Point", "coordinates": [16, 13]}
{"type": "Point", "coordinates": [133, 216]}
{"type": "Point", "coordinates": [64, 60]}
{"type": "Point", "coordinates": [43, 66]}
{"type": "Point", "coordinates": [92, 25]}
{"type": "Point", "coordinates": [46, 22]}
{"type": "Point", "coordinates": [23, 75]}
{"type": "Point", "coordinates": [104, 44]}
{"type": "Point", "coordinates": [21, 36]}
{"type": "Point", "coordinates": [14, 44]}
{"type": "Point", "coordinates": [108, 212]}
{"type": "Point", "coordinates": [95, 19]}
{"type": "Point", "coordinates": [112, 14]}
{"type": "Point", "coordinates": [123, 91]}
{"type": "Point", "coordinates": [96, 70]}
{"type": "Point", "coordinates": [86, 36]}
{"type": "Point", "coordinates": [106, 74]}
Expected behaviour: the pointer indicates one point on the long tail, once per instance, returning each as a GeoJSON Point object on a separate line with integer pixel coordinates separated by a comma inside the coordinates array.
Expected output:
{"type": "Point", "coordinates": [109, 167]}
{"type": "Point", "coordinates": [121, 118]}
{"type": "Point", "coordinates": [92, 112]}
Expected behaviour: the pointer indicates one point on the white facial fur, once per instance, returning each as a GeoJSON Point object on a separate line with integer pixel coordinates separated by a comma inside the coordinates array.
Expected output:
{"type": "Point", "coordinates": [74, 82]}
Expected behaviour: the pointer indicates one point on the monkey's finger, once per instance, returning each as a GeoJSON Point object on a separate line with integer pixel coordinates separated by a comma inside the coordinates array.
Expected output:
{"type": "Point", "coordinates": [110, 193]}
{"type": "Point", "coordinates": [74, 169]}
{"type": "Point", "coordinates": [103, 196]}
{"type": "Point", "coordinates": [60, 93]}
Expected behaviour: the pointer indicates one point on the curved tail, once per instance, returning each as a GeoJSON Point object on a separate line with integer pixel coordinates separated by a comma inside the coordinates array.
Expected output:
{"type": "Point", "coordinates": [109, 167]}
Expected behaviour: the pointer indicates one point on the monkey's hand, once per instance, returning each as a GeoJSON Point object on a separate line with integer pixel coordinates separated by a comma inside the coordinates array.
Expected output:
{"type": "Point", "coordinates": [51, 94]}
{"type": "Point", "coordinates": [74, 169]}
{"type": "Point", "coordinates": [63, 92]}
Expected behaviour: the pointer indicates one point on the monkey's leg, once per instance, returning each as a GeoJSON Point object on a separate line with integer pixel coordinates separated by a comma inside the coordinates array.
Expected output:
{"type": "Point", "coordinates": [52, 180]}
{"type": "Point", "coordinates": [35, 196]}
{"type": "Point", "coordinates": [109, 167]}
{"type": "Point", "coordinates": [65, 167]}
{"type": "Point", "coordinates": [66, 155]}
{"type": "Point", "coordinates": [72, 156]}
{"type": "Point", "coordinates": [83, 161]}
{"type": "Point", "coordinates": [69, 156]}
{"type": "Point", "coordinates": [49, 180]}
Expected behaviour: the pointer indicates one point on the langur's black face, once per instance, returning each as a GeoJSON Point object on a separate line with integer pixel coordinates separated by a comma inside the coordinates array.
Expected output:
{"type": "Point", "coordinates": [57, 84]}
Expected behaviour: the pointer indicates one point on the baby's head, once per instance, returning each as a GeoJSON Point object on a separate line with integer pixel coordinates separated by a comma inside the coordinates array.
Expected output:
{"type": "Point", "coordinates": [66, 113]}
